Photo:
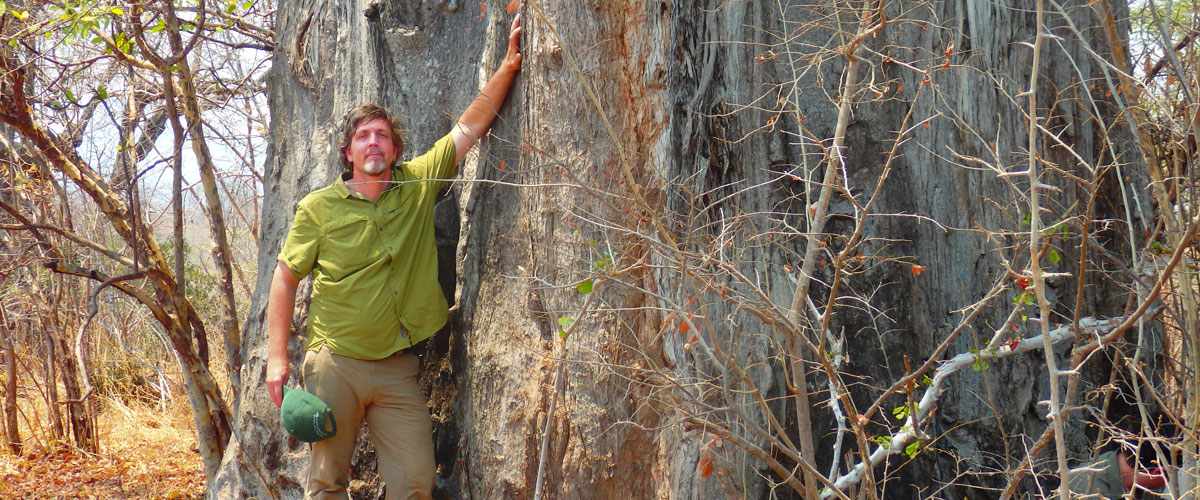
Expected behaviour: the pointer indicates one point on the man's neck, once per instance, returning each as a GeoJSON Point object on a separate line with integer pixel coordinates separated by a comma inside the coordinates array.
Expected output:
{"type": "Point", "coordinates": [370, 186]}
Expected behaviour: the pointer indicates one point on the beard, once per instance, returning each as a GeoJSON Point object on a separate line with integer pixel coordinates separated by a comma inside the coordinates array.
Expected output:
{"type": "Point", "coordinates": [374, 167]}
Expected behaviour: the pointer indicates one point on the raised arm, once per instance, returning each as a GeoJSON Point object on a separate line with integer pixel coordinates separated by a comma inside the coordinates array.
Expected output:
{"type": "Point", "coordinates": [475, 121]}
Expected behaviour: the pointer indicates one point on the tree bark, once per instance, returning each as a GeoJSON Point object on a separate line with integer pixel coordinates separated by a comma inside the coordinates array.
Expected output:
{"type": "Point", "coordinates": [12, 433]}
{"type": "Point", "coordinates": [646, 144]}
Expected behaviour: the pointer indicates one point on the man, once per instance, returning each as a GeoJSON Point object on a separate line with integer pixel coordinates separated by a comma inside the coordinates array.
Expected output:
{"type": "Point", "coordinates": [1112, 476]}
{"type": "Point", "coordinates": [368, 241]}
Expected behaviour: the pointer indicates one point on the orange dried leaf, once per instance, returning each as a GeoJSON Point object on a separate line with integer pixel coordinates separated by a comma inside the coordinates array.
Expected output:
{"type": "Point", "coordinates": [705, 468]}
{"type": "Point", "coordinates": [501, 165]}
{"type": "Point", "coordinates": [683, 327]}
{"type": "Point", "coordinates": [512, 7]}
{"type": "Point", "coordinates": [917, 269]}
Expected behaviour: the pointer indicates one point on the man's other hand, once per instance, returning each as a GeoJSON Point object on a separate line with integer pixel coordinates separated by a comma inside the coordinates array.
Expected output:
{"type": "Point", "coordinates": [277, 375]}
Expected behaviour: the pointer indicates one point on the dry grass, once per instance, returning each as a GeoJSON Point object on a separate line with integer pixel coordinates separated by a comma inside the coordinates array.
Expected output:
{"type": "Point", "coordinates": [145, 453]}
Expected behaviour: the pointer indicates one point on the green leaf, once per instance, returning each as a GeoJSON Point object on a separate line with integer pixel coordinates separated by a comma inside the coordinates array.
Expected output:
{"type": "Point", "coordinates": [883, 440]}
{"type": "Point", "coordinates": [102, 92]}
{"type": "Point", "coordinates": [1053, 256]}
{"type": "Point", "coordinates": [926, 381]}
{"type": "Point", "coordinates": [71, 97]}
{"type": "Point", "coordinates": [1028, 219]}
{"type": "Point", "coordinates": [585, 287]}
{"type": "Point", "coordinates": [12, 42]}
{"type": "Point", "coordinates": [912, 449]}
{"type": "Point", "coordinates": [565, 321]}
{"type": "Point", "coordinates": [976, 366]}
{"type": "Point", "coordinates": [117, 11]}
{"type": "Point", "coordinates": [175, 68]}
{"type": "Point", "coordinates": [187, 27]}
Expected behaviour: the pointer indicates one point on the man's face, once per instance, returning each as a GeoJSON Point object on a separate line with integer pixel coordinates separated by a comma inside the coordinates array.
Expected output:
{"type": "Point", "coordinates": [371, 149]}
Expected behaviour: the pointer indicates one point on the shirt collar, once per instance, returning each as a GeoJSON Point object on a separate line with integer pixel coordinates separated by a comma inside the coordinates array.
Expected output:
{"type": "Point", "coordinates": [344, 191]}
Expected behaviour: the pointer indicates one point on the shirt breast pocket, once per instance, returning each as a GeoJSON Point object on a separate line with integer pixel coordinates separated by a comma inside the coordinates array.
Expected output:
{"type": "Point", "coordinates": [350, 245]}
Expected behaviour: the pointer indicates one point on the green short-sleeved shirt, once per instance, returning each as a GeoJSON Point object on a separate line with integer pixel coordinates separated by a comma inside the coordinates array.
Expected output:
{"type": "Point", "coordinates": [1104, 475]}
{"type": "Point", "coordinates": [374, 264]}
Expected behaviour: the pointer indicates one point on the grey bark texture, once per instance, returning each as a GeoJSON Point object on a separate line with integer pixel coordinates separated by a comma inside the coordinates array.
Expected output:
{"type": "Point", "coordinates": [718, 109]}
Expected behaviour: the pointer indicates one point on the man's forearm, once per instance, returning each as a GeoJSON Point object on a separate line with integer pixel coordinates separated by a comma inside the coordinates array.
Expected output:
{"type": "Point", "coordinates": [280, 304]}
{"type": "Point", "coordinates": [479, 115]}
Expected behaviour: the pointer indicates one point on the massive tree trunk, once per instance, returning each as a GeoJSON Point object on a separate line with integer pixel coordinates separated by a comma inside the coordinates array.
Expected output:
{"type": "Point", "coordinates": [624, 251]}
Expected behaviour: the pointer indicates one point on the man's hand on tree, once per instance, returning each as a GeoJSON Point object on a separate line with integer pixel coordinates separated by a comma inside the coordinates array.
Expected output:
{"type": "Point", "coordinates": [512, 59]}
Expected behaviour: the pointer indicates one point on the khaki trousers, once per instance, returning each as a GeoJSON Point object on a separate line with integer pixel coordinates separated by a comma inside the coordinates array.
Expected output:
{"type": "Point", "coordinates": [386, 394]}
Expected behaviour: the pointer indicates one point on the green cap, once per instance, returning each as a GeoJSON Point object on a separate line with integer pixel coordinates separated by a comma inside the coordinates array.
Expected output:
{"type": "Point", "coordinates": [306, 417]}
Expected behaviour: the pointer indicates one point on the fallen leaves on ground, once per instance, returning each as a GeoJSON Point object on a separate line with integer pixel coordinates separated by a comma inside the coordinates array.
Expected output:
{"type": "Point", "coordinates": [144, 454]}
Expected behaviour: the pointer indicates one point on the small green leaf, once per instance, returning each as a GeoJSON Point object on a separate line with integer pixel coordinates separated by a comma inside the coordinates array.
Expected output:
{"type": "Point", "coordinates": [1024, 318]}
{"type": "Point", "coordinates": [117, 11]}
{"type": "Point", "coordinates": [175, 68]}
{"type": "Point", "coordinates": [565, 321]}
{"type": "Point", "coordinates": [912, 449]}
{"type": "Point", "coordinates": [883, 440]}
{"type": "Point", "coordinates": [1053, 256]}
{"type": "Point", "coordinates": [585, 287]}
{"type": "Point", "coordinates": [21, 16]}
{"type": "Point", "coordinates": [926, 381]}
{"type": "Point", "coordinates": [1028, 219]}
{"type": "Point", "coordinates": [102, 92]}
{"type": "Point", "coordinates": [71, 97]}
{"type": "Point", "coordinates": [976, 366]}
{"type": "Point", "coordinates": [187, 27]}
{"type": "Point", "coordinates": [12, 42]}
